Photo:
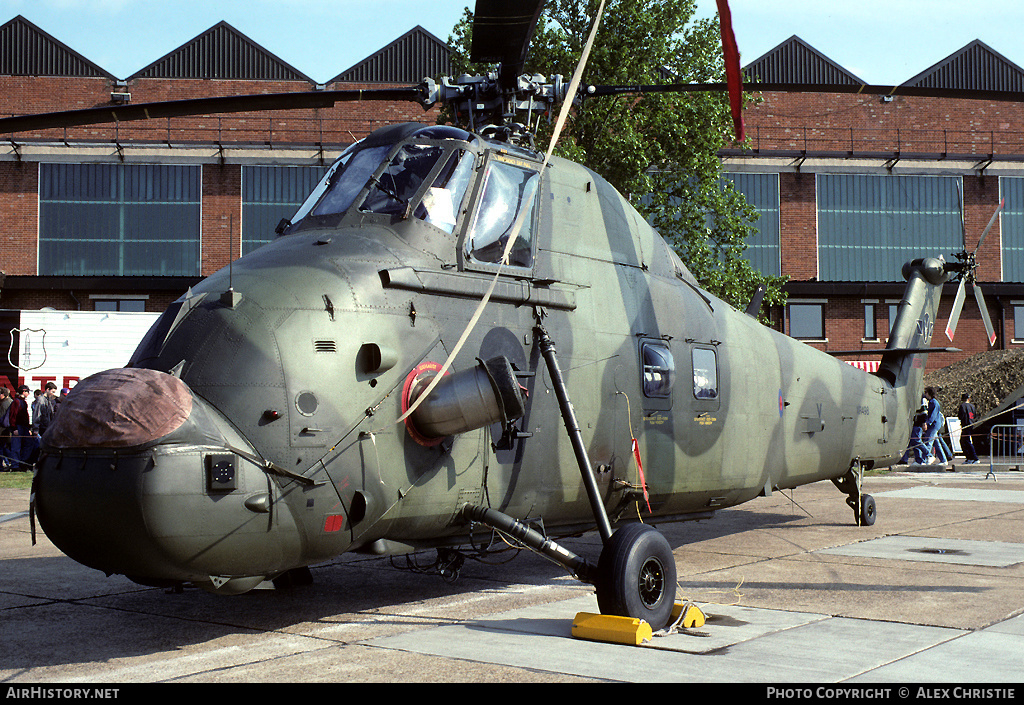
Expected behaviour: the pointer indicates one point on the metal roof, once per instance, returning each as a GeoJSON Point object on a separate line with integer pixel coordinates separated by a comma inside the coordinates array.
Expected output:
{"type": "Point", "coordinates": [222, 52]}
{"type": "Point", "coordinates": [26, 50]}
{"type": "Point", "coordinates": [408, 59]}
{"type": "Point", "coordinates": [796, 61]}
{"type": "Point", "coordinates": [975, 67]}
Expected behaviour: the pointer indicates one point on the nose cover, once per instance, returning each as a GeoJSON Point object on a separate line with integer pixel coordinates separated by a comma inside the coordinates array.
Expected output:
{"type": "Point", "coordinates": [120, 409]}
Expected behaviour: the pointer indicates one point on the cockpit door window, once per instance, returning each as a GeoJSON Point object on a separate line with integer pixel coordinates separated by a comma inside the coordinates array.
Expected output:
{"type": "Point", "coordinates": [508, 191]}
{"type": "Point", "coordinates": [443, 198]}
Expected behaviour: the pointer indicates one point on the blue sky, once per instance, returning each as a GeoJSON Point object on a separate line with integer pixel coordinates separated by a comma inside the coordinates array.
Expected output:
{"type": "Point", "coordinates": [881, 41]}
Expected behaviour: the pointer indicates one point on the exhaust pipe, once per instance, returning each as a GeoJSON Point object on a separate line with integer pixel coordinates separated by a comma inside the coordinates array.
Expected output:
{"type": "Point", "coordinates": [467, 400]}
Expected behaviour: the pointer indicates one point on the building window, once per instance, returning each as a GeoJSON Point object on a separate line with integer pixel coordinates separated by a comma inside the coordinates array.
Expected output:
{"type": "Point", "coordinates": [761, 192]}
{"type": "Point", "coordinates": [893, 310]}
{"type": "Point", "coordinates": [1018, 322]}
{"type": "Point", "coordinates": [870, 325]}
{"type": "Point", "coordinates": [133, 304]}
{"type": "Point", "coordinates": [869, 226]}
{"type": "Point", "coordinates": [1011, 225]}
{"type": "Point", "coordinates": [269, 194]}
{"type": "Point", "coordinates": [807, 321]}
{"type": "Point", "coordinates": [119, 220]}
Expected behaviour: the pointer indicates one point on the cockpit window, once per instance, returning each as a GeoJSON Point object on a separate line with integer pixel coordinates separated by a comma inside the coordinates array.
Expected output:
{"type": "Point", "coordinates": [441, 203]}
{"type": "Point", "coordinates": [508, 189]}
{"type": "Point", "coordinates": [421, 155]}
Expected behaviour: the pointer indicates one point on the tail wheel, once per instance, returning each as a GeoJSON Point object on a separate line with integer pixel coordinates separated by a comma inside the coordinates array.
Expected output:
{"type": "Point", "coordinates": [868, 512]}
{"type": "Point", "coordinates": [636, 576]}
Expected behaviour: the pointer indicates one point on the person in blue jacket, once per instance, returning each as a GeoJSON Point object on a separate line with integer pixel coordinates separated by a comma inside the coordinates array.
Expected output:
{"type": "Point", "coordinates": [932, 425]}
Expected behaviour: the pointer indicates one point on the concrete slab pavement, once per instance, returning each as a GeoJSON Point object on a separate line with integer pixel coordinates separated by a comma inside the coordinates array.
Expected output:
{"type": "Point", "coordinates": [794, 591]}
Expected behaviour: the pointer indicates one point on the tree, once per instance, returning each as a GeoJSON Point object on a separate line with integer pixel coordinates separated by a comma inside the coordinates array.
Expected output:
{"type": "Point", "coordinates": [660, 150]}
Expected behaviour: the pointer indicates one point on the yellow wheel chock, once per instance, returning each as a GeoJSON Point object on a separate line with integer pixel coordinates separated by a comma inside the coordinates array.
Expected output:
{"type": "Point", "coordinates": [631, 631]}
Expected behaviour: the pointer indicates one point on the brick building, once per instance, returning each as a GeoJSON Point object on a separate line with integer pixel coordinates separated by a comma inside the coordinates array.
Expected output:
{"type": "Point", "coordinates": [126, 216]}
{"type": "Point", "coordinates": [852, 185]}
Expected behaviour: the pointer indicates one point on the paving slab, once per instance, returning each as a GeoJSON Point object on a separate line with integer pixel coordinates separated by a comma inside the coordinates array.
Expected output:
{"type": "Point", "coordinates": [794, 592]}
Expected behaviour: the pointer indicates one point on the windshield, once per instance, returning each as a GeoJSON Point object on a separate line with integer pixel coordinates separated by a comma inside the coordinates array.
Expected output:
{"type": "Point", "coordinates": [349, 181]}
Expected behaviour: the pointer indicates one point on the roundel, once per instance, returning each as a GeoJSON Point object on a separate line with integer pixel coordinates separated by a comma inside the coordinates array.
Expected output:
{"type": "Point", "coordinates": [422, 373]}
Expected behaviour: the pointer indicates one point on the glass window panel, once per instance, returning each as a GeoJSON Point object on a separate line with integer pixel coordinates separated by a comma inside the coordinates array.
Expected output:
{"type": "Point", "coordinates": [761, 192]}
{"type": "Point", "coordinates": [1011, 225]}
{"type": "Point", "coordinates": [507, 188]}
{"type": "Point", "coordinates": [1018, 322]}
{"type": "Point", "coordinates": [869, 226]}
{"type": "Point", "coordinates": [807, 321]}
{"type": "Point", "coordinates": [270, 194]}
{"type": "Point", "coordinates": [658, 370]}
{"type": "Point", "coordinates": [119, 219]}
{"type": "Point", "coordinates": [870, 330]}
{"type": "Point", "coordinates": [705, 373]}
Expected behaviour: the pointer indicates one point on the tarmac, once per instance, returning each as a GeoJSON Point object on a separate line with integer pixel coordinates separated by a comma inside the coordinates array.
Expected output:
{"type": "Point", "coordinates": [793, 591]}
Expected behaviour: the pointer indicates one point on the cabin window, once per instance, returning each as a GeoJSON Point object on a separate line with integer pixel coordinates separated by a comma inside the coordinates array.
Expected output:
{"type": "Point", "coordinates": [508, 192]}
{"type": "Point", "coordinates": [705, 373]}
{"type": "Point", "coordinates": [658, 370]}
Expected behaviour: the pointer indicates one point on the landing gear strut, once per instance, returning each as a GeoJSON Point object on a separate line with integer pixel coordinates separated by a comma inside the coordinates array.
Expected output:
{"type": "Point", "coordinates": [636, 572]}
{"type": "Point", "coordinates": [863, 505]}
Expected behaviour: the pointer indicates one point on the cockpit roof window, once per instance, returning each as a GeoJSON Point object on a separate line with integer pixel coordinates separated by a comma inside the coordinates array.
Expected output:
{"type": "Point", "coordinates": [390, 166]}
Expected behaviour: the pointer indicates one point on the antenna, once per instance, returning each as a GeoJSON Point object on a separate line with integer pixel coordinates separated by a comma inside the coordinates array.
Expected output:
{"type": "Point", "coordinates": [229, 298]}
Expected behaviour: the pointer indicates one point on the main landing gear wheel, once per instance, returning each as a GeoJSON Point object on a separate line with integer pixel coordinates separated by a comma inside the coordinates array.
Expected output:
{"type": "Point", "coordinates": [867, 511]}
{"type": "Point", "coordinates": [636, 576]}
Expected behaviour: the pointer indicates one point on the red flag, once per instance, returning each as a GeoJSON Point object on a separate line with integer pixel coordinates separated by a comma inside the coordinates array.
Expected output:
{"type": "Point", "coordinates": [640, 467]}
{"type": "Point", "coordinates": [733, 77]}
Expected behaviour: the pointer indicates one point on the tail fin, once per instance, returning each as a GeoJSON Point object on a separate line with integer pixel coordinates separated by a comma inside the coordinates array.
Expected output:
{"type": "Point", "coordinates": [904, 359]}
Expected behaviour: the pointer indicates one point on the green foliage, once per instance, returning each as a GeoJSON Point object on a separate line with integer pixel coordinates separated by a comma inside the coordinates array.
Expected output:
{"type": "Point", "coordinates": [660, 150]}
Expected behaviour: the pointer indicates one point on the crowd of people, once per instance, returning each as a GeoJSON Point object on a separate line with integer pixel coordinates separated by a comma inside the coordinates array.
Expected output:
{"type": "Point", "coordinates": [23, 422]}
{"type": "Point", "coordinates": [927, 444]}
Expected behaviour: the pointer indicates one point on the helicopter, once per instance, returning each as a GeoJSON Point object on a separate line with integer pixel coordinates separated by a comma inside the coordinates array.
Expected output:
{"type": "Point", "coordinates": [454, 338]}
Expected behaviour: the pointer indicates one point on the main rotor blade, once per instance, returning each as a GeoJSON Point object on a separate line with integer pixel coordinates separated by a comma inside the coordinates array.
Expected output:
{"type": "Point", "coordinates": [733, 75]}
{"type": "Point", "coordinates": [989, 330]}
{"type": "Point", "coordinates": [502, 30]}
{"type": "Point", "coordinates": [954, 314]}
{"type": "Point", "coordinates": [868, 89]}
{"type": "Point", "coordinates": [201, 106]}
{"type": "Point", "coordinates": [991, 221]}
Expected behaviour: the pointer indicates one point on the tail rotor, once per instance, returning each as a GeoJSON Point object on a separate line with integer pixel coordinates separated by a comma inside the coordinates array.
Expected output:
{"type": "Point", "coordinates": [967, 265]}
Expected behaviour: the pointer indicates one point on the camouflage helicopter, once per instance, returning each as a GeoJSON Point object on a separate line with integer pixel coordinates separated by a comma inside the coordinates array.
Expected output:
{"type": "Point", "coordinates": [454, 337]}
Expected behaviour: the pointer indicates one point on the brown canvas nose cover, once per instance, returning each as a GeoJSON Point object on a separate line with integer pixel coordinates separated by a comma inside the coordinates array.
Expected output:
{"type": "Point", "coordinates": [120, 408]}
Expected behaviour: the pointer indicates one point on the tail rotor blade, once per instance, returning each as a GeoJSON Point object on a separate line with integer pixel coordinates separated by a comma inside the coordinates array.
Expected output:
{"type": "Point", "coordinates": [954, 314]}
{"type": "Point", "coordinates": [989, 330]}
{"type": "Point", "coordinates": [991, 222]}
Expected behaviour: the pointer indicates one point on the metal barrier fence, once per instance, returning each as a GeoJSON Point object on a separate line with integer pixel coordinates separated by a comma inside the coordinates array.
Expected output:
{"type": "Point", "coordinates": [1005, 447]}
